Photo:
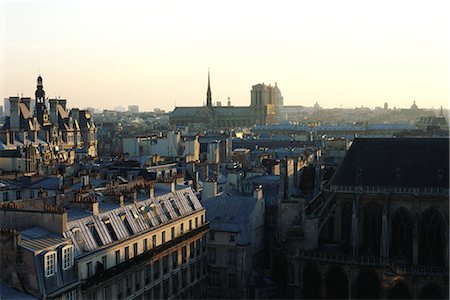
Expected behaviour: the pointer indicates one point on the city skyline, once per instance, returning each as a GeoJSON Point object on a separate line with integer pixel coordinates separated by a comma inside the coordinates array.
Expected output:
{"type": "Point", "coordinates": [106, 54]}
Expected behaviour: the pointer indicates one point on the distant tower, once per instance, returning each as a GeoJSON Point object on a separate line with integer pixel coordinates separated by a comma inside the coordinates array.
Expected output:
{"type": "Point", "coordinates": [229, 101]}
{"type": "Point", "coordinates": [40, 93]}
{"type": "Point", "coordinates": [208, 93]}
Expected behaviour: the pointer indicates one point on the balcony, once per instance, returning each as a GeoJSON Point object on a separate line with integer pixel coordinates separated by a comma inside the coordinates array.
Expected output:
{"type": "Point", "coordinates": [140, 259]}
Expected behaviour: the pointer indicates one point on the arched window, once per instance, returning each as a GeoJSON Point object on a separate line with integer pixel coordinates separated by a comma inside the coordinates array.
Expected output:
{"type": "Point", "coordinates": [337, 284]}
{"type": "Point", "coordinates": [372, 228]}
{"type": "Point", "coordinates": [401, 244]}
{"type": "Point", "coordinates": [346, 221]}
{"type": "Point", "coordinates": [431, 238]}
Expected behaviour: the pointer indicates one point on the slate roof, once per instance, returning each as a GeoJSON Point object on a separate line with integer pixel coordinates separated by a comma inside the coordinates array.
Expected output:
{"type": "Point", "coordinates": [38, 238]}
{"type": "Point", "coordinates": [395, 162]}
{"type": "Point", "coordinates": [145, 215]}
{"type": "Point", "coordinates": [9, 293]}
{"type": "Point", "coordinates": [228, 213]}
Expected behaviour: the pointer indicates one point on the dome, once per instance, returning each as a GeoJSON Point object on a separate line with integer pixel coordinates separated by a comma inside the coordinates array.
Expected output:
{"type": "Point", "coordinates": [39, 79]}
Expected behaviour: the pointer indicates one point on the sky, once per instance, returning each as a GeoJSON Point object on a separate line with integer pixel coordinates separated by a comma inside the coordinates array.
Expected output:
{"type": "Point", "coordinates": [156, 54]}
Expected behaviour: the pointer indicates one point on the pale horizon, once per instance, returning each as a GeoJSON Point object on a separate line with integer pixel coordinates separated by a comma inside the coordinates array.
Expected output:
{"type": "Point", "coordinates": [341, 54]}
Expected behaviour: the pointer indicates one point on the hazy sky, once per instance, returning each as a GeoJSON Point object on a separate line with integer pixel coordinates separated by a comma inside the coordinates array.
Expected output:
{"type": "Point", "coordinates": [157, 53]}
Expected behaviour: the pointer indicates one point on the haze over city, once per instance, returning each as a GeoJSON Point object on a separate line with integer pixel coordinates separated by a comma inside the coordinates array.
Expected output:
{"type": "Point", "coordinates": [157, 54]}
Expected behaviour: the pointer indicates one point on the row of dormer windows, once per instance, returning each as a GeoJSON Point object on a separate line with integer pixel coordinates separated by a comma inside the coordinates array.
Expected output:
{"type": "Point", "coordinates": [133, 250]}
{"type": "Point", "coordinates": [51, 260]}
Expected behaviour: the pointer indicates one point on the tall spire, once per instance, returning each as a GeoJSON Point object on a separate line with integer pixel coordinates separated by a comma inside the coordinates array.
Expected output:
{"type": "Point", "coordinates": [208, 93]}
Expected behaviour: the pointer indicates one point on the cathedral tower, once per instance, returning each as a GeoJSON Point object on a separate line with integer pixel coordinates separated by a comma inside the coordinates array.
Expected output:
{"type": "Point", "coordinates": [208, 93]}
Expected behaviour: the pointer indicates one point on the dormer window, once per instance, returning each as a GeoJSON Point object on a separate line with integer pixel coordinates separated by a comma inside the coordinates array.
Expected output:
{"type": "Point", "coordinates": [78, 236]}
{"type": "Point", "coordinates": [175, 207]}
{"type": "Point", "coordinates": [50, 263]}
{"type": "Point", "coordinates": [124, 219]}
{"type": "Point", "coordinates": [67, 257]}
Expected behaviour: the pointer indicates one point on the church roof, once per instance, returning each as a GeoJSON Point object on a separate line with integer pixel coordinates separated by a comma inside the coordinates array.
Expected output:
{"type": "Point", "coordinates": [395, 162]}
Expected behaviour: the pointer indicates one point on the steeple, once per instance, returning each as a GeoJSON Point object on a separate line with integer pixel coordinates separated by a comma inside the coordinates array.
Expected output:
{"type": "Point", "coordinates": [208, 93]}
{"type": "Point", "coordinates": [40, 93]}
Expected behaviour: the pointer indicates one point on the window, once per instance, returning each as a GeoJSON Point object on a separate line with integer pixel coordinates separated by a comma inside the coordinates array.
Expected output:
{"type": "Point", "coordinates": [89, 269]}
{"type": "Point", "coordinates": [135, 249]}
{"type": "Point", "coordinates": [232, 282]}
{"type": "Point", "coordinates": [202, 219]}
{"type": "Point", "coordinates": [156, 270]}
{"type": "Point", "coordinates": [72, 295]}
{"type": "Point", "coordinates": [117, 257]}
{"type": "Point", "coordinates": [191, 250]}
{"type": "Point", "coordinates": [165, 286]}
{"type": "Point", "coordinates": [124, 219]}
{"type": "Point", "coordinates": [191, 204]}
{"type": "Point", "coordinates": [137, 280]}
{"type": "Point", "coordinates": [175, 260]}
{"type": "Point", "coordinates": [175, 283]}
{"type": "Point", "coordinates": [172, 233]}
{"type": "Point", "coordinates": [232, 256]}
{"type": "Point", "coordinates": [192, 269]}
{"type": "Point", "coordinates": [175, 207]}
{"type": "Point", "coordinates": [198, 268]}
{"type": "Point", "coordinates": [148, 274]}
{"type": "Point", "coordinates": [145, 245]}
{"type": "Point", "coordinates": [128, 281]}
{"type": "Point", "coordinates": [181, 228]}
{"type": "Point", "coordinates": [183, 277]}
{"type": "Point", "coordinates": [154, 241]}
{"type": "Point", "coordinates": [127, 252]}
{"type": "Point", "coordinates": [78, 236]}
{"type": "Point", "coordinates": [105, 262]}
{"type": "Point", "coordinates": [214, 279]}
{"type": "Point", "coordinates": [163, 237]}
{"type": "Point", "coordinates": [165, 264]}
{"type": "Point", "coordinates": [156, 291]}
{"type": "Point", "coordinates": [50, 263]}
{"type": "Point", "coordinates": [212, 255]}
{"type": "Point", "coordinates": [190, 224]}
{"type": "Point", "coordinates": [232, 237]}
{"type": "Point", "coordinates": [5, 196]}
{"type": "Point", "coordinates": [119, 289]}
{"type": "Point", "coordinates": [94, 233]}
{"type": "Point", "coordinates": [111, 231]}
{"type": "Point", "coordinates": [183, 255]}
{"type": "Point", "coordinates": [18, 195]}
{"type": "Point", "coordinates": [204, 243]}
{"type": "Point", "coordinates": [32, 194]}
{"type": "Point", "coordinates": [197, 247]}
{"type": "Point", "coordinates": [105, 293]}
{"type": "Point", "coordinates": [165, 211]}
{"type": "Point", "coordinates": [67, 253]}
{"type": "Point", "coordinates": [196, 222]}
{"type": "Point", "coordinates": [211, 236]}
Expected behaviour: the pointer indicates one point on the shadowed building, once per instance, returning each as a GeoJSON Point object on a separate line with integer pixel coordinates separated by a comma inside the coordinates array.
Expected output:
{"type": "Point", "coordinates": [151, 245]}
{"type": "Point", "coordinates": [31, 141]}
{"type": "Point", "coordinates": [379, 229]}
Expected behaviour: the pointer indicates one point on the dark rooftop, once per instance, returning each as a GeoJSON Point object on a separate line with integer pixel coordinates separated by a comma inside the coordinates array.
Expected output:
{"type": "Point", "coordinates": [395, 162]}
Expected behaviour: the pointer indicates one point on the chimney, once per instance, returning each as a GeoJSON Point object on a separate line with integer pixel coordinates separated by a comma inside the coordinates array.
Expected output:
{"type": "Point", "coordinates": [8, 137]}
{"type": "Point", "coordinates": [53, 103]}
{"type": "Point", "coordinates": [151, 191]}
{"type": "Point", "coordinates": [63, 103]}
{"type": "Point", "coordinates": [14, 118]}
{"type": "Point", "coordinates": [258, 193]}
{"type": "Point", "coordinates": [209, 189]}
{"type": "Point", "coordinates": [26, 101]}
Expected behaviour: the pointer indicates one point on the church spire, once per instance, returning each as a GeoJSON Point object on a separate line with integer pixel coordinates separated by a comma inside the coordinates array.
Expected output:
{"type": "Point", "coordinates": [208, 93]}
